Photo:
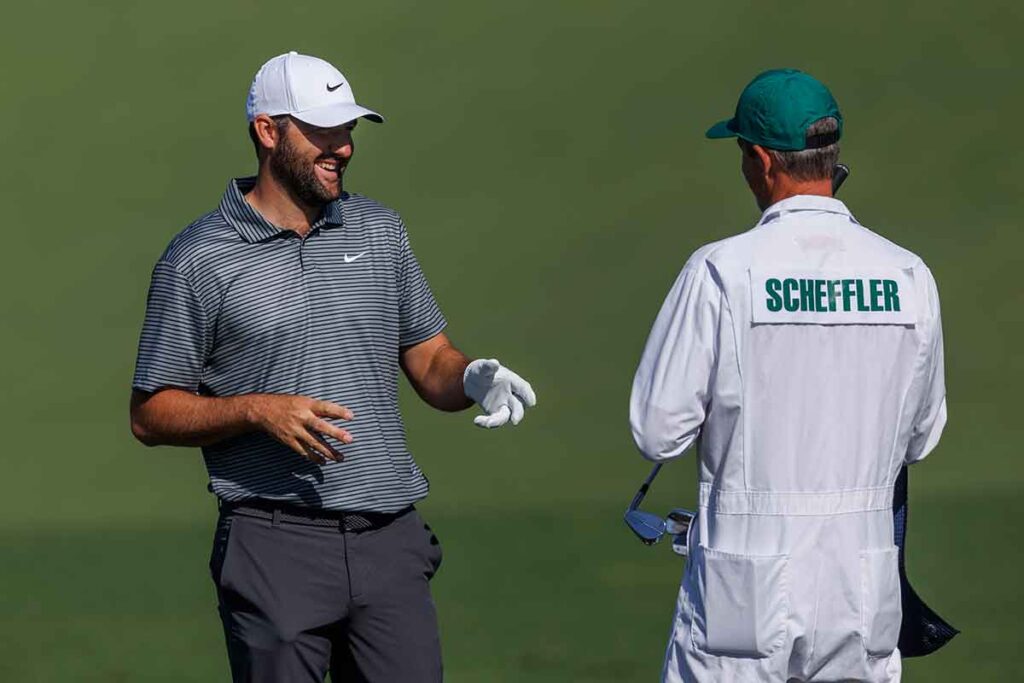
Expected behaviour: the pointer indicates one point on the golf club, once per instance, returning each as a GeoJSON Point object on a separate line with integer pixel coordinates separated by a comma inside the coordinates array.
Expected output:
{"type": "Point", "coordinates": [839, 175]}
{"type": "Point", "coordinates": [649, 528]}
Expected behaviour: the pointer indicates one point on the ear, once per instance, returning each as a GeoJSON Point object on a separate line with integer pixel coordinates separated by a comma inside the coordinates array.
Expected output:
{"type": "Point", "coordinates": [266, 131]}
{"type": "Point", "coordinates": [766, 159]}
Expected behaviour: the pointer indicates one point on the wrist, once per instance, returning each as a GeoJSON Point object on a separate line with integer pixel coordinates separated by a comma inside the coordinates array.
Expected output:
{"type": "Point", "coordinates": [472, 381]}
{"type": "Point", "coordinates": [248, 413]}
{"type": "Point", "coordinates": [465, 378]}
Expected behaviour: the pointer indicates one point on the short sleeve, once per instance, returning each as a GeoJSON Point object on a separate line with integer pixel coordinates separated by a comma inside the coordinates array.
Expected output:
{"type": "Point", "coordinates": [929, 386]}
{"type": "Point", "coordinates": [173, 347]}
{"type": "Point", "coordinates": [420, 318]}
{"type": "Point", "coordinates": [672, 385]}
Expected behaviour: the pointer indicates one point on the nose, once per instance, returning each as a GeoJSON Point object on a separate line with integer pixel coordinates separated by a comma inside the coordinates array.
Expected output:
{"type": "Point", "coordinates": [343, 146]}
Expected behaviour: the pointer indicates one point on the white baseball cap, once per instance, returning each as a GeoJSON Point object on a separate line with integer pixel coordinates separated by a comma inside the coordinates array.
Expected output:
{"type": "Point", "coordinates": [307, 88]}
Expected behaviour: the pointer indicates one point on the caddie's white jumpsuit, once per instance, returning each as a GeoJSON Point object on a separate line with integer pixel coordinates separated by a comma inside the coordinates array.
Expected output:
{"type": "Point", "coordinates": [805, 359]}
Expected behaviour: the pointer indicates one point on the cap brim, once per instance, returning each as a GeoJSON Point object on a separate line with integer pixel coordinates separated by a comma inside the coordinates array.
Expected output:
{"type": "Point", "coordinates": [722, 129]}
{"type": "Point", "coordinates": [337, 115]}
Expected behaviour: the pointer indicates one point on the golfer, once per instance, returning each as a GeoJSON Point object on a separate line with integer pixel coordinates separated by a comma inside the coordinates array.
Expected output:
{"type": "Point", "coordinates": [804, 357]}
{"type": "Point", "coordinates": [274, 332]}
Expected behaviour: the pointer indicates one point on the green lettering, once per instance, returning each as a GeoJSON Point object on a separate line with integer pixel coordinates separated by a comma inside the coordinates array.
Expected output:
{"type": "Point", "coordinates": [806, 295]}
{"type": "Point", "coordinates": [773, 286]}
{"type": "Point", "coordinates": [819, 296]}
{"type": "Point", "coordinates": [861, 306]}
{"type": "Point", "coordinates": [892, 295]}
{"type": "Point", "coordinates": [832, 294]}
{"type": "Point", "coordinates": [847, 293]}
{"type": "Point", "coordinates": [876, 295]}
{"type": "Point", "coordinates": [791, 302]}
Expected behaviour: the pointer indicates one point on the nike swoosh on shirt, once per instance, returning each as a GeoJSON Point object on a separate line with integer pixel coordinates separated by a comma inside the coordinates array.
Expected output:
{"type": "Point", "coordinates": [332, 88]}
{"type": "Point", "coordinates": [350, 259]}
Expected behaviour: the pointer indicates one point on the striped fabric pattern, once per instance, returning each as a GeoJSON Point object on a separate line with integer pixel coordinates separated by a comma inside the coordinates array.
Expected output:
{"type": "Point", "coordinates": [238, 306]}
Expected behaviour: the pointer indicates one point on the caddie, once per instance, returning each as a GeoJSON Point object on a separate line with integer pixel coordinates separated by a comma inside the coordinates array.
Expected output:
{"type": "Point", "coordinates": [275, 329]}
{"type": "Point", "coordinates": [805, 359]}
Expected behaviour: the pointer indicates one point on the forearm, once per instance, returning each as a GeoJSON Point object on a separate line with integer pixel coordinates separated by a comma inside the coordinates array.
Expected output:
{"type": "Point", "coordinates": [173, 417]}
{"type": "Point", "coordinates": [441, 385]}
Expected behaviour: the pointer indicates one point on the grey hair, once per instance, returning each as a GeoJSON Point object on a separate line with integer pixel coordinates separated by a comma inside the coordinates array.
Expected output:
{"type": "Point", "coordinates": [810, 164]}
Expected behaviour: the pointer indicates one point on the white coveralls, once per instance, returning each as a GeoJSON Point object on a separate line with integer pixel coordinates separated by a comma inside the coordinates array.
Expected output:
{"type": "Point", "coordinates": [805, 359]}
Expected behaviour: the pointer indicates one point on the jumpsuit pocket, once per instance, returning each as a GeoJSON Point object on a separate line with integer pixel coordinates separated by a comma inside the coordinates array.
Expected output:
{"type": "Point", "coordinates": [743, 605]}
{"type": "Point", "coordinates": [881, 611]}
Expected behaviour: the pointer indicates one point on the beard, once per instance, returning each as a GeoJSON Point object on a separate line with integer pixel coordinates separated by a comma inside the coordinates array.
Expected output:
{"type": "Point", "coordinates": [298, 177]}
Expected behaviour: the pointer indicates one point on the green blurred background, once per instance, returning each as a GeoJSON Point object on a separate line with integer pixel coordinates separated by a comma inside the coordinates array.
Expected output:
{"type": "Point", "coordinates": [550, 163]}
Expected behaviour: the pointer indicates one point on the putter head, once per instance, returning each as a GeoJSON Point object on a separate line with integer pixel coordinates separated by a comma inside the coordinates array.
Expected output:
{"type": "Point", "coordinates": [648, 527]}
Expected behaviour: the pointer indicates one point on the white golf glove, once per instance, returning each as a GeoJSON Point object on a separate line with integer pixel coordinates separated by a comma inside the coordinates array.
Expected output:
{"type": "Point", "coordinates": [502, 394]}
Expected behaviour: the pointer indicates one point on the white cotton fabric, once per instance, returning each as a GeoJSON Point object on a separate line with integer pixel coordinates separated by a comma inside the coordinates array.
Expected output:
{"type": "Point", "coordinates": [803, 422]}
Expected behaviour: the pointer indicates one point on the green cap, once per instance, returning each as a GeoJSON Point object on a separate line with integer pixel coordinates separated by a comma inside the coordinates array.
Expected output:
{"type": "Point", "coordinates": [776, 109]}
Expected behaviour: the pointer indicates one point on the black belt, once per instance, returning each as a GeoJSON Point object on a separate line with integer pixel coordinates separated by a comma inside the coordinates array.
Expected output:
{"type": "Point", "coordinates": [293, 514]}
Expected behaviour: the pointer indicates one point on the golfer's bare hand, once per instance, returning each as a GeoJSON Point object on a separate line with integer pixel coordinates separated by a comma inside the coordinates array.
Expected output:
{"type": "Point", "coordinates": [299, 423]}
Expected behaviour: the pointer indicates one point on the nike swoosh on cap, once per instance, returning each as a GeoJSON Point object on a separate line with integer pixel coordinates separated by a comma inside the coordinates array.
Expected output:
{"type": "Point", "coordinates": [332, 88]}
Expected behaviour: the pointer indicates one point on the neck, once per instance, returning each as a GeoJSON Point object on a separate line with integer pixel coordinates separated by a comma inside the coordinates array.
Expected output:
{"type": "Point", "coordinates": [785, 187]}
{"type": "Point", "coordinates": [278, 205]}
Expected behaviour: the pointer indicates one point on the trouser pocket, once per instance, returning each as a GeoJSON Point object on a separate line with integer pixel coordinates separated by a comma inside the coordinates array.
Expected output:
{"type": "Point", "coordinates": [743, 605]}
{"type": "Point", "coordinates": [430, 545]}
{"type": "Point", "coordinates": [219, 552]}
{"type": "Point", "coordinates": [881, 612]}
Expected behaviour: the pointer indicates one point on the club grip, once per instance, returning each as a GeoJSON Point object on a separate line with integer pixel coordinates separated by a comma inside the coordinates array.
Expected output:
{"type": "Point", "coordinates": [839, 174]}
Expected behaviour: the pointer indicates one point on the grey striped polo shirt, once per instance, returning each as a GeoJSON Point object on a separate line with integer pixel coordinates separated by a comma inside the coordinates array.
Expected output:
{"type": "Point", "coordinates": [238, 306]}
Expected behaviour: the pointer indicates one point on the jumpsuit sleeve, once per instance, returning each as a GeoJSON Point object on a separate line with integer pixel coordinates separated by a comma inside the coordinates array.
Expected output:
{"type": "Point", "coordinates": [672, 385]}
{"type": "Point", "coordinates": [931, 415]}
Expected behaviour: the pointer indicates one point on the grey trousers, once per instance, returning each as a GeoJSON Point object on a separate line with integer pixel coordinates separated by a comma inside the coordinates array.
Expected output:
{"type": "Point", "coordinates": [299, 601]}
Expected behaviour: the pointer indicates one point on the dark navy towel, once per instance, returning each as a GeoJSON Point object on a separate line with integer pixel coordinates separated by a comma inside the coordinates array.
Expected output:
{"type": "Point", "coordinates": [923, 631]}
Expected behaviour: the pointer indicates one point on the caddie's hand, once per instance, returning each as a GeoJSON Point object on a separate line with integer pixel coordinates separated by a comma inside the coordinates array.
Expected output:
{"type": "Point", "coordinates": [298, 422]}
{"type": "Point", "coordinates": [502, 394]}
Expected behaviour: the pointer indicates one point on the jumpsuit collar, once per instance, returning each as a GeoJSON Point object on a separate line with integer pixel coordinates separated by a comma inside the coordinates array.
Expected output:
{"type": "Point", "coordinates": [805, 202]}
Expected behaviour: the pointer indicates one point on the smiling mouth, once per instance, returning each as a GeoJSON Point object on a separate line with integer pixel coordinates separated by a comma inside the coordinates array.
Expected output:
{"type": "Point", "coordinates": [329, 171]}
{"type": "Point", "coordinates": [330, 165]}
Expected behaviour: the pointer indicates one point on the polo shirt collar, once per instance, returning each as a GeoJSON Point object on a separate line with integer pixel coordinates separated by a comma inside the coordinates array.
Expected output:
{"type": "Point", "coordinates": [805, 202]}
{"type": "Point", "coordinates": [250, 223]}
